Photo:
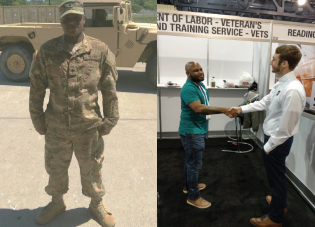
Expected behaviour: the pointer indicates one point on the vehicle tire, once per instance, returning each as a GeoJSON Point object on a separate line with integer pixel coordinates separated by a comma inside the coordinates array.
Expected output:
{"type": "Point", "coordinates": [151, 69]}
{"type": "Point", "coordinates": [15, 62]}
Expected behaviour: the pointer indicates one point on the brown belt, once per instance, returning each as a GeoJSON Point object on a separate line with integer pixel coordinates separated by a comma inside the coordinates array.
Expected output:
{"type": "Point", "coordinates": [267, 136]}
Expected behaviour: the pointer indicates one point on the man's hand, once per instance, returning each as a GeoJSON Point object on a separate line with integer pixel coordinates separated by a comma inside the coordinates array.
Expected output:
{"type": "Point", "coordinates": [41, 130]}
{"type": "Point", "coordinates": [234, 111]}
{"type": "Point", "coordinates": [265, 151]}
{"type": "Point", "coordinates": [229, 113]}
{"type": "Point", "coordinates": [104, 131]}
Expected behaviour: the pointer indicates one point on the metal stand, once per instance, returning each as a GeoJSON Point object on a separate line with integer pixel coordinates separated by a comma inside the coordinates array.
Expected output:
{"type": "Point", "coordinates": [234, 134]}
{"type": "Point", "coordinates": [239, 140]}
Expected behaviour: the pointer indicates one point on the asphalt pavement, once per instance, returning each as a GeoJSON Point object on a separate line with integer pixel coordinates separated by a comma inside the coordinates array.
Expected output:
{"type": "Point", "coordinates": [129, 169]}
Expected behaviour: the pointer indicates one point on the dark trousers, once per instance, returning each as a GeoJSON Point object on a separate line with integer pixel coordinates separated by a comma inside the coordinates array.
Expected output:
{"type": "Point", "coordinates": [194, 145]}
{"type": "Point", "coordinates": [275, 168]}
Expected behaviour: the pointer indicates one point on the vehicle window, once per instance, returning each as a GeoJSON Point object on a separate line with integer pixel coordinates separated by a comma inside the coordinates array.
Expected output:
{"type": "Point", "coordinates": [99, 18]}
{"type": "Point", "coordinates": [110, 14]}
{"type": "Point", "coordinates": [186, 1]}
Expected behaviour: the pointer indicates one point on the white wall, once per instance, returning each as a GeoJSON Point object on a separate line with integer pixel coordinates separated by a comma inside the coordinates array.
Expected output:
{"type": "Point", "coordinates": [301, 160]}
{"type": "Point", "coordinates": [175, 52]}
{"type": "Point", "coordinates": [228, 59]}
{"type": "Point", "coordinates": [170, 110]}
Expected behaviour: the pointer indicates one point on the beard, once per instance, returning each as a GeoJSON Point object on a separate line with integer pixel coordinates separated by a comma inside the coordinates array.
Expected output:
{"type": "Point", "coordinates": [196, 79]}
{"type": "Point", "coordinates": [276, 69]}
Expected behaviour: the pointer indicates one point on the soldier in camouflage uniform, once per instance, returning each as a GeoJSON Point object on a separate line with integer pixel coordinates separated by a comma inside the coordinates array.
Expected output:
{"type": "Point", "coordinates": [73, 66]}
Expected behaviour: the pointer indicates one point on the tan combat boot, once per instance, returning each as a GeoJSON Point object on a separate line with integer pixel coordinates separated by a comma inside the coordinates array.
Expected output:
{"type": "Point", "coordinates": [105, 218]}
{"type": "Point", "coordinates": [53, 209]}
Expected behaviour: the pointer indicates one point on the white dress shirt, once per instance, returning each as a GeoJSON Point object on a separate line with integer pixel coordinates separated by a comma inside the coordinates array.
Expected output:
{"type": "Point", "coordinates": [285, 104]}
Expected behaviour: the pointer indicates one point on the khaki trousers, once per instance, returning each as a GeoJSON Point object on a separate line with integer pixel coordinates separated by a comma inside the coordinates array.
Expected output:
{"type": "Point", "coordinates": [88, 147]}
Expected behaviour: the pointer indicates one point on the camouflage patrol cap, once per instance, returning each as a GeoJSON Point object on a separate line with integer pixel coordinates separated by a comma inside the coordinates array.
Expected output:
{"type": "Point", "coordinates": [68, 7]}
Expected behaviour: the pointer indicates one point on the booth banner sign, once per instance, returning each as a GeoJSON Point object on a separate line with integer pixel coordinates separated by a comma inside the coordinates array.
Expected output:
{"type": "Point", "coordinates": [284, 32]}
{"type": "Point", "coordinates": [203, 25]}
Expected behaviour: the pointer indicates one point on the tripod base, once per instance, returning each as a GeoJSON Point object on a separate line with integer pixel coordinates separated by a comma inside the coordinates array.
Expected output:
{"type": "Point", "coordinates": [239, 139]}
{"type": "Point", "coordinates": [234, 134]}
{"type": "Point", "coordinates": [238, 151]}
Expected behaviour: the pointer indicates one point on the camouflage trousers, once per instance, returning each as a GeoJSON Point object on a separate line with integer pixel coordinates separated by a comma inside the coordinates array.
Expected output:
{"type": "Point", "coordinates": [88, 147]}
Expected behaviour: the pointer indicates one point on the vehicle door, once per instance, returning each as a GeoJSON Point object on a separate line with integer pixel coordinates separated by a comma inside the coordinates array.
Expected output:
{"type": "Point", "coordinates": [99, 24]}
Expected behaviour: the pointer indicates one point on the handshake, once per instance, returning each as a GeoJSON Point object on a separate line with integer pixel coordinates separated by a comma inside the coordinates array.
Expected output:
{"type": "Point", "coordinates": [232, 111]}
{"type": "Point", "coordinates": [209, 110]}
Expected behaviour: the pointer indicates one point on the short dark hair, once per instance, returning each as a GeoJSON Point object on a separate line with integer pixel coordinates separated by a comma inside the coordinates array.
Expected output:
{"type": "Point", "coordinates": [289, 53]}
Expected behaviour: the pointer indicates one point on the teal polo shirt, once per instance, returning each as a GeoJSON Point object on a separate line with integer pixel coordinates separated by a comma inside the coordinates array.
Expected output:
{"type": "Point", "coordinates": [190, 122]}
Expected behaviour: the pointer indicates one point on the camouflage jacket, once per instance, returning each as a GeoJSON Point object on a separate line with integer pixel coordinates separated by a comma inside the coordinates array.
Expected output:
{"type": "Point", "coordinates": [73, 80]}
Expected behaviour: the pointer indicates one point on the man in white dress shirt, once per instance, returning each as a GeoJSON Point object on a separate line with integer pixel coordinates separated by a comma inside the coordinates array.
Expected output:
{"type": "Point", "coordinates": [285, 104]}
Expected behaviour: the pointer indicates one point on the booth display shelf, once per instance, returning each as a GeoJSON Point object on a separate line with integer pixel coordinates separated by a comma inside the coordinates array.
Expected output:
{"type": "Point", "coordinates": [308, 115]}
{"type": "Point", "coordinates": [214, 88]}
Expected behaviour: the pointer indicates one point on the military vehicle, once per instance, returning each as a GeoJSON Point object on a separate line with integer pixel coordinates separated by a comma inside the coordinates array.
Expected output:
{"type": "Point", "coordinates": [107, 20]}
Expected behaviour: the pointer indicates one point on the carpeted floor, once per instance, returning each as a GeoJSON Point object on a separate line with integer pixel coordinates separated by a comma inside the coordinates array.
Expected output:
{"type": "Point", "coordinates": [236, 186]}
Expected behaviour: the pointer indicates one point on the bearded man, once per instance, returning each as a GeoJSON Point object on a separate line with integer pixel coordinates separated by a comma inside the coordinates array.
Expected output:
{"type": "Point", "coordinates": [193, 129]}
{"type": "Point", "coordinates": [285, 104]}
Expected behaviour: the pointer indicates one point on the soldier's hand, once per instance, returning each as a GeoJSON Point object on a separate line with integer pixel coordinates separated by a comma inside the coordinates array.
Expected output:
{"type": "Point", "coordinates": [41, 130]}
{"type": "Point", "coordinates": [104, 131]}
